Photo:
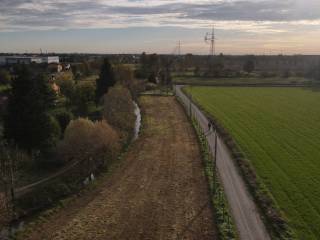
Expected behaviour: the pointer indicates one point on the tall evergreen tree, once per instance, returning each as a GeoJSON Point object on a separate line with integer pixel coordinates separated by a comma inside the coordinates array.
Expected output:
{"type": "Point", "coordinates": [28, 122]}
{"type": "Point", "coordinates": [105, 81]}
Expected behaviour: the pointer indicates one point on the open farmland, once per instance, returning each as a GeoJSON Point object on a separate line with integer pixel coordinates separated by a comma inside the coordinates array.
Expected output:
{"type": "Point", "coordinates": [278, 130]}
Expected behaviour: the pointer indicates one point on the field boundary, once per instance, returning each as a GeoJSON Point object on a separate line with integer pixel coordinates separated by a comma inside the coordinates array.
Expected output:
{"type": "Point", "coordinates": [274, 219]}
{"type": "Point", "coordinates": [243, 84]}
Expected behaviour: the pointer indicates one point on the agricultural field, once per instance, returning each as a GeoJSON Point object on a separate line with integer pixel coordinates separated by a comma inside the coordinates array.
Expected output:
{"type": "Point", "coordinates": [278, 131]}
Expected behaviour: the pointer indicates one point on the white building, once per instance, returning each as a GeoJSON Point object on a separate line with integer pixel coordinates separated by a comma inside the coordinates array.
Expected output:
{"type": "Point", "coordinates": [50, 59]}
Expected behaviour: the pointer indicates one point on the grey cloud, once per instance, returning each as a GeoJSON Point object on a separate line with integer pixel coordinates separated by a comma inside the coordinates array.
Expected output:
{"type": "Point", "coordinates": [268, 10]}
{"type": "Point", "coordinates": [256, 11]}
{"type": "Point", "coordinates": [64, 13]}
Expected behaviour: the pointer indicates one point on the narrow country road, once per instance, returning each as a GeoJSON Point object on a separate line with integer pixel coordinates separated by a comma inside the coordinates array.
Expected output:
{"type": "Point", "coordinates": [244, 211]}
{"type": "Point", "coordinates": [158, 192]}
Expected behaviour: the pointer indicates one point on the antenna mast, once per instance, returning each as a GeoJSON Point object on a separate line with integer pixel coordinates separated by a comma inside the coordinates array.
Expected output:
{"type": "Point", "coordinates": [210, 39]}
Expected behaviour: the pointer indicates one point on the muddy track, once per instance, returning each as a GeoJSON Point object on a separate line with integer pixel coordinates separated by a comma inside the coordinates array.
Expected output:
{"type": "Point", "coordinates": [159, 192]}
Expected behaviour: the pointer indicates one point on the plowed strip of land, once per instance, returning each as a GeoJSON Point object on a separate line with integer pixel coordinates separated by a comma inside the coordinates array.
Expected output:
{"type": "Point", "coordinates": [159, 192]}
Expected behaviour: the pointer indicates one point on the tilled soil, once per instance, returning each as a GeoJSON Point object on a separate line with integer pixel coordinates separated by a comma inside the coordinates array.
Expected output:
{"type": "Point", "coordinates": [159, 192]}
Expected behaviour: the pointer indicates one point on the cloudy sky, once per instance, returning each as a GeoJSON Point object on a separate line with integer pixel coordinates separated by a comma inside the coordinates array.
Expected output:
{"type": "Point", "coordinates": [122, 26]}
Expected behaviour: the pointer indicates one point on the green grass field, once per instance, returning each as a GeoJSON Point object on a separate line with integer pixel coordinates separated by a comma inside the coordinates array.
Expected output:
{"type": "Point", "coordinates": [278, 129]}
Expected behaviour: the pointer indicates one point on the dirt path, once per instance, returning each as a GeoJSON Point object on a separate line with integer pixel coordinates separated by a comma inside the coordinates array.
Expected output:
{"type": "Point", "coordinates": [159, 192]}
{"type": "Point", "coordinates": [245, 213]}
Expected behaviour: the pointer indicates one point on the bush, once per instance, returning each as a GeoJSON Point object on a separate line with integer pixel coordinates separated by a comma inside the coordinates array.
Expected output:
{"type": "Point", "coordinates": [63, 117]}
{"type": "Point", "coordinates": [136, 87]}
{"type": "Point", "coordinates": [66, 87]}
{"type": "Point", "coordinates": [83, 97]}
{"type": "Point", "coordinates": [5, 77]}
{"type": "Point", "coordinates": [118, 110]}
{"type": "Point", "coordinates": [123, 74]}
{"type": "Point", "coordinates": [267, 74]}
{"type": "Point", "coordinates": [84, 140]}
{"type": "Point", "coordinates": [52, 130]}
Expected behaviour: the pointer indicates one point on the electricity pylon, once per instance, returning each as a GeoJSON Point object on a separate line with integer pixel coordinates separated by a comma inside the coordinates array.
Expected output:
{"type": "Point", "coordinates": [210, 39]}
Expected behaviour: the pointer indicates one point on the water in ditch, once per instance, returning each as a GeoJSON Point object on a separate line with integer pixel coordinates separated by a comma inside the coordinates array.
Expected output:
{"type": "Point", "coordinates": [137, 126]}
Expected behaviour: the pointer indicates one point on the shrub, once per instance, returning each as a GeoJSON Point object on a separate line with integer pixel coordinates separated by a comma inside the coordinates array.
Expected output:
{"type": "Point", "coordinates": [118, 110]}
{"type": "Point", "coordinates": [54, 129]}
{"type": "Point", "coordinates": [63, 117]}
{"type": "Point", "coordinates": [106, 141]}
{"type": "Point", "coordinates": [267, 74]}
{"type": "Point", "coordinates": [95, 142]}
{"type": "Point", "coordinates": [66, 87]}
{"type": "Point", "coordinates": [123, 74]}
{"type": "Point", "coordinates": [83, 97]}
{"type": "Point", "coordinates": [5, 77]}
{"type": "Point", "coordinates": [136, 87]}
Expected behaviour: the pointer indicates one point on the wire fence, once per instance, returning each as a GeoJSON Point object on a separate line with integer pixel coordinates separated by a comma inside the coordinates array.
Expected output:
{"type": "Point", "coordinates": [19, 202]}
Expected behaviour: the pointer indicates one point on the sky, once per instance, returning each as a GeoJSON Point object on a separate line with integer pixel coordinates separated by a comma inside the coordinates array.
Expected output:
{"type": "Point", "coordinates": [133, 26]}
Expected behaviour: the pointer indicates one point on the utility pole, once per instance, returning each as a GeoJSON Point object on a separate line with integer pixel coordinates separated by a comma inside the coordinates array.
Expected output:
{"type": "Point", "coordinates": [190, 106]}
{"type": "Point", "coordinates": [215, 147]}
{"type": "Point", "coordinates": [211, 39]}
{"type": "Point", "coordinates": [215, 158]}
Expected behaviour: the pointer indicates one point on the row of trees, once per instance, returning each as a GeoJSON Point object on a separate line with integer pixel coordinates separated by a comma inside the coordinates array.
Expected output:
{"type": "Point", "coordinates": [156, 69]}
{"type": "Point", "coordinates": [35, 121]}
{"type": "Point", "coordinates": [100, 141]}
{"type": "Point", "coordinates": [38, 128]}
